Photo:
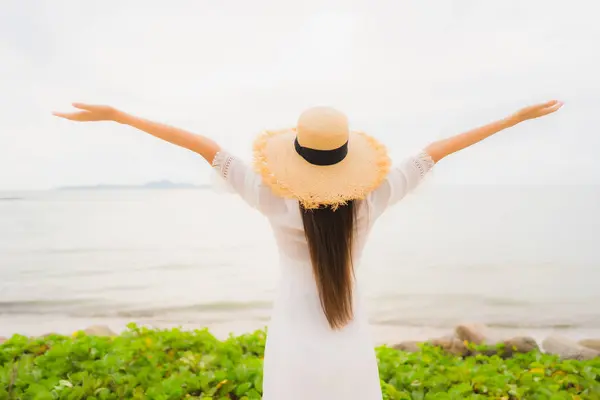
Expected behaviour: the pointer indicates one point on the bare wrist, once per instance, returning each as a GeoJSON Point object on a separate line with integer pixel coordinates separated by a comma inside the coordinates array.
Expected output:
{"type": "Point", "coordinates": [511, 120]}
{"type": "Point", "coordinates": [120, 117]}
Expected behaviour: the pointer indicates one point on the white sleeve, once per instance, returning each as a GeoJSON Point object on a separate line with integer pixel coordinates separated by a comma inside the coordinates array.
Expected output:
{"type": "Point", "coordinates": [241, 179]}
{"type": "Point", "coordinates": [401, 180]}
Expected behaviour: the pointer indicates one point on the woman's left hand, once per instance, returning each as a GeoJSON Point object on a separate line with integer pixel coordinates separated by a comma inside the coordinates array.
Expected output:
{"type": "Point", "coordinates": [90, 113]}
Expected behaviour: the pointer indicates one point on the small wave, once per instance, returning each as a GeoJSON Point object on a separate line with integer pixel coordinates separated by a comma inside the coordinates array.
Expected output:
{"type": "Point", "coordinates": [538, 325]}
{"type": "Point", "coordinates": [451, 323]}
{"type": "Point", "coordinates": [104, 309]}
{"type": "Point", "coordinates": [452, 298]}
{"type": "Point", "coordinates": [506, 302]}
{"type": "Point", "coordinates": [83, 250]}
{"type": "Point", "coordinates": [225, 306]}
{"type": "Point", "coordinates": [172, 267]}
{"type": "Point", "coordinates": [43, 306]}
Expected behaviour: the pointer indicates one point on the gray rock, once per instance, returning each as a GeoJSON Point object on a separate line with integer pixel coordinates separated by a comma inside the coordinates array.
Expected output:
{"type": "Point", "coordinates": [445, 337]}
{"type": "Point", "coordinates": [522, 344]}
{"type": "Point", "coordinates": [568, 349]}
{"type": "Point", "coordinates": [455, 345]}
{"type": "Point", "coordinates": [458, 348]}
{"type": "Point", "coordinates": [410, 346]}
{"type": "Point", "coordinates": [473, 333]}
{"type": "Point", "coordinates": [443, 342]}
{"type": "Point", "coordinates": [593, 344]}
{"type": "Point", "coordinates": [452, 345]}
{"type": "Point", "coordinates": [99, 330]}
{"type": "Point", "coordinates": [519, 344]}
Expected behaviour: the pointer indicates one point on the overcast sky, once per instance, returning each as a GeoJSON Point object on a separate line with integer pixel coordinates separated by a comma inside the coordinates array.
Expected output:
{"type": "Point", "coordinates": [406, 71]}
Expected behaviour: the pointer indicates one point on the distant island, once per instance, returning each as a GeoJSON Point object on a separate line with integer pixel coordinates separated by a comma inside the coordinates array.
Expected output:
{"type": "Point", "coordinates": [164, 184]}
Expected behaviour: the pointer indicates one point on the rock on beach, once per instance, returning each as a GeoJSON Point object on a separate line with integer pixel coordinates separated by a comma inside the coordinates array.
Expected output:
{"type": "Point", "coordinates": [99, 330]}
{"type": "Point", "coordinates": [593, 344]}
{"type": "Point", "coordinates": [568, 349]}
{"type": "Point", "coordinates": [477, 334]}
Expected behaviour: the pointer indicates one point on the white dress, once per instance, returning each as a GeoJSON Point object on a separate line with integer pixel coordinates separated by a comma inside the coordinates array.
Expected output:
{"type": "Point", "coordinates": [304, 358]}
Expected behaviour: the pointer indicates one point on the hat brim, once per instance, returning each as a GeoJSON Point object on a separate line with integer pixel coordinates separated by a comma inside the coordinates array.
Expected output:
{"type": "Point", "coordinates": [289, 175]}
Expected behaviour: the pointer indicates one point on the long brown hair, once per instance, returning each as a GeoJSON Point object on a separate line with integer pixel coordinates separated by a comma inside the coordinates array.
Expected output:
{"type": "Point", "coordinates": [329, 234]}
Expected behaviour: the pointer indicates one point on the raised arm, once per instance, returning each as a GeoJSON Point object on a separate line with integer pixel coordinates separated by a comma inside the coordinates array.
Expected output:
{"type": "Point", "coordinates": [442, 148]}
{"type": "Point", "coordinates": [204, 146]}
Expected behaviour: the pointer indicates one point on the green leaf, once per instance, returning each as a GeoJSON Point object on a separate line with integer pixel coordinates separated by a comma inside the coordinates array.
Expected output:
{"type": "Point", "coordinates": [243, 388]}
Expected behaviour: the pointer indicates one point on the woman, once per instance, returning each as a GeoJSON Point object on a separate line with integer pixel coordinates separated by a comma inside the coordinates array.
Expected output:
{"type": "Point", "coordinates": [321, 186]}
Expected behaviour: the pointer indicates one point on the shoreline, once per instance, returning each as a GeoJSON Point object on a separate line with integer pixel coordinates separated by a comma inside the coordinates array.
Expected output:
{"type": "Point", "coordinates": [381, 334]}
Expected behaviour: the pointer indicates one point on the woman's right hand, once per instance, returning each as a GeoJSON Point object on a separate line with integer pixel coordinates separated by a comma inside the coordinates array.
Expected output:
{"type": "Point", "coordinates": [536, 111]}
{"type": "Point", "coordinates": [90, 113]}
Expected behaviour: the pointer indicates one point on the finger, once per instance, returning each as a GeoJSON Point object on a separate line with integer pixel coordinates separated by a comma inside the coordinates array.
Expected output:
{"type": "Point", "coordinates": [557, 105]}
{"type": "Point", "coordinates": [86, 107]}
{"type": "Point", "coordinates": [550, 110]}
{"type": "Point", "coordinates": [78, 116]}
{"type": "Point", "coordinates": [550, 103]}
{"type": "Point", "coordinates": [61, 114]}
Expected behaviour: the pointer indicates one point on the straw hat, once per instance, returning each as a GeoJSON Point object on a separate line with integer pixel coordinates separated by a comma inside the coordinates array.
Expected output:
{"type": "Point", "coordinates": [321, 162]}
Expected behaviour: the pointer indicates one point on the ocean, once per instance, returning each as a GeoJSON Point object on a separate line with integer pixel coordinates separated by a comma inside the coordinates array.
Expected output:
{"type": "Point", "coordinates": [523, 259]}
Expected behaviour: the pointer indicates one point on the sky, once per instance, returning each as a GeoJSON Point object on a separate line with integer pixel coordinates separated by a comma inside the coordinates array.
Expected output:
{"type": "Point", "coordinates": [408, 72]}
